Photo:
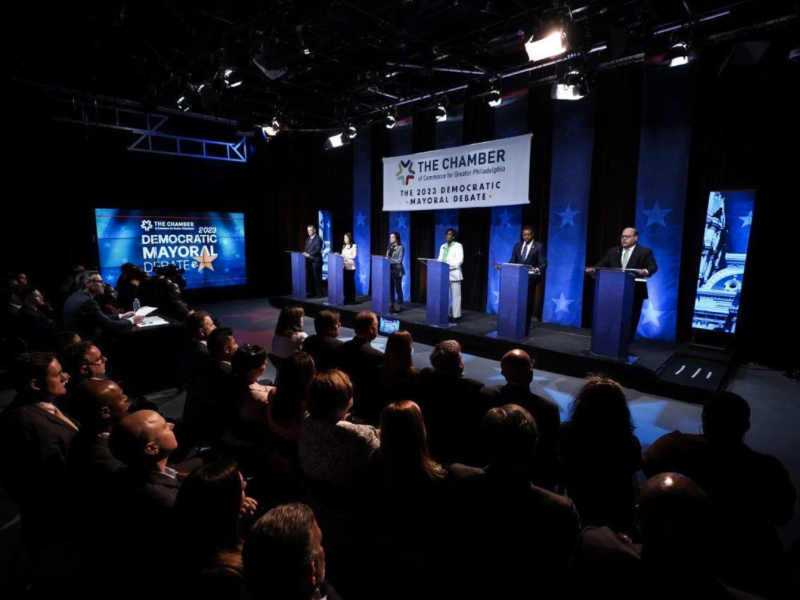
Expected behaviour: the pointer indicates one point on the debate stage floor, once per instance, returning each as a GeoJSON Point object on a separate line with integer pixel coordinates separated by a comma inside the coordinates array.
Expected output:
{"type": "Point", "coordinates": [661, 368]}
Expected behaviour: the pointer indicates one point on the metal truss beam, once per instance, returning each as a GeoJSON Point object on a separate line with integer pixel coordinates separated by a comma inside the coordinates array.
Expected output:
{"type": "Point", "coordinates": [147, 127]}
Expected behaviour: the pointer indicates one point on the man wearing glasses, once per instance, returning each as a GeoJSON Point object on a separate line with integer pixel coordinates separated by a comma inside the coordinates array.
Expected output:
{"type": "Point", "coordinates": [630, 255]}
{"type": "Point", "coordinates": [83, 315]}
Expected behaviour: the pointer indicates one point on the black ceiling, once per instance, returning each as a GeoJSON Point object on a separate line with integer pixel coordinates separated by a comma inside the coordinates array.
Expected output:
{"type": "Point", "coordinates": [340, 56]}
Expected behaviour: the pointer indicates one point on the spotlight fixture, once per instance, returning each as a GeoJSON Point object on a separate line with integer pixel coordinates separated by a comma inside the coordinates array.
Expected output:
{"type": "Point", "coordinates": [494, 98]}
{"type": "Point", "coordinates": [341, 139]}
{"type": "Point", "coordinates": [184, 102]}
{"type": "Point", "coordinates": [389, 121]}
{"type": "Point", "coordinates": [441, 113]}
{"type": "Point", "coordinates": [271, 130]}
{"type": "Point", "coordinates": [679, 55]}
{"type": "Point", "coordinates": [230, 78]}
{"type": "Point", "coordinates": [573, 86]}
{"type": "Point", "coordinates": [302, 39]}
{"type": "Point", "coordinates": [550, 43]}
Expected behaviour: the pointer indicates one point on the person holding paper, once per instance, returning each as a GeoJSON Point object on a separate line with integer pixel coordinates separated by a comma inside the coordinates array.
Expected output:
{"type": "Point", "coordinates": [349, 253]}
{"type": "Point", "coordinates": [630, 255]}
{"type": "Point", "coordinates": [452, 253]}
{"type": "Point", "coordinates": [395, 253]}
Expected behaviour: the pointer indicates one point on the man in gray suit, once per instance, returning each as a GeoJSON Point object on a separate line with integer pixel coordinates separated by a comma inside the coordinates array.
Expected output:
{"type": "Point", "coordinates": [83, 315]}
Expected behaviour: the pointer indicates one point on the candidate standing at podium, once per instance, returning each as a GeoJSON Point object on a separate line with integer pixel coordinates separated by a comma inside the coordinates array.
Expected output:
{"type": "Point", "coordinates": [452, 253]}
{"type": "Point", "coordinates": [530, 253]}
{"type": "Point", "coordinates": [395, 253]}
{"type": "Point", "coordinates": [349, 253]}
{"type": "Point", "coordinates": [630, 255]}
{"type": "Point", "coordinates": [313, 254]}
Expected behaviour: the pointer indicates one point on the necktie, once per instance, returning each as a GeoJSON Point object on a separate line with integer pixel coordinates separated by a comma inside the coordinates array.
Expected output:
{"type": "Point", "coordinates": [66, 419]}
{"type": "Point", "coordinates": [527, 249]}
{"type": "Point", "coordinates": [625, 256]}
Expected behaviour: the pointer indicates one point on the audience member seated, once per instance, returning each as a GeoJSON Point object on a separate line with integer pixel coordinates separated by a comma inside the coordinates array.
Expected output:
{"type": "Point", "coordinates": [333, 450]}
{"type": "Point", "coordinates": [216, 382]}
{"type": "Point", "coordinates": [287, 406]}
{"type": "Point", "coordinates": [99, 405]}
{"type": "Point", "coordinates": [83, 361]}
{"type": "Point", "coordinates": [66, 338]}
{"type": "Point", "coordinates": [399, 378]}
{"type": "Point", "coordinates": [212, 513]}
{"type": "Point", "coordinates": [600, 456]}
{"type": "Point", "coordinates": [751, 493]}
{"type": "Point", "coordinates": [110, 302]}
{"type": "Point", "coordinates": [194, 357]}
{"type": "Point", "coordinates": [251, 397]}
{"type": "Point", "coordinates": [171, 303]}
{"type": "Point", "coordinates": [283, 557]}
{"type": "Point", "coordinates": [517, 368]}
{"type": "Point", "coordinates": [323, 344]}
{"type": "Point", "coordinates": [289, 335]}
{"type": "Point", "coordinates": [128, 284]}
{"type": "Point", "coordinates": [671, 563]}
{"type": "Point", "coordinates": [34, 322]}
{"type": "Point", "coordinates": [34, 442]}
{"type": "Point", "coordinates": [409, 485]}
{"type": "Point", "coordinates": [360, 361]}
{"type": "Point", "coordinates": [510, 539]}
{"type": "Point", "coordinates": [452, 406]}
{"type": "Point", "coordinates": [83, 314]}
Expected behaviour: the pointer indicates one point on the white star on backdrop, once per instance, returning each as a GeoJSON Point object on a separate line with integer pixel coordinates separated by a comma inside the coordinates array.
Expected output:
{"type": "Point", "coordinates": [651, 315]}
{"type": "Point", "coordinates": [227, 270]}
{"type": "Point", "coordinates": [562, 304]}
{"type": "Point", "coordinates": [402, 222]}
{"type": "Point", "coordinates": [109, 278]}
{"type": "Point", "coordinates": [505, 218]}
{"type": "Point", "coordinates": [656, 215]}
{"type": "Point", "coordinates": [361, 219]}
{"type": "Point", "coordinates": [496, 298]}
{"type": "Point", "coordinates": [568, 216]}
{"type": "Point", "coordinates": [107, 245]}
{"type": "Point", "coordinates": [124, 260]}
{"type": "Point", "coordinates": [362, 277]}
{"type": "Point", "coordinates": [748, 220]}
{"type": "Point", "coordinates": [237, 255]}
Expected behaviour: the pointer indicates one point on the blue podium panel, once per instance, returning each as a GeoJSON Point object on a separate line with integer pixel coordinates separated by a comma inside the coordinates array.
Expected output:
{"type": "Point", "coordinates": [438, 296]}
{"type": "Point", "coordinates": [613, 304]}
{"type": "Point", "coordinates": [380, 284]}
{"type": "Point", "coordinates": [298, 276]}
{"type": "Point", "coordinates": [512, 307]}
{"type": "Point", "coordinates": [335, 279]}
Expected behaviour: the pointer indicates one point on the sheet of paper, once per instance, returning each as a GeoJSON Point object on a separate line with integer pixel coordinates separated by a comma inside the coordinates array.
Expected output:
{"type": "Point", "coordinates": [152, 321]}
{"type": "Point", "coordinates": [146, 310]}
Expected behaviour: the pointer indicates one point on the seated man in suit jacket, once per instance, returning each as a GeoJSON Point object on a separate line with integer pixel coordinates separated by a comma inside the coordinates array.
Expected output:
{"type": "Point", "coordinates": [517, 368]}
{"type": "Point", "coordinates": [531, 254]}
{"type": "Point", "coordinates": [630, 255]}
{"type": "Point", "coordinates": [84, 316]}
{"type": "Point", "coordinates": [360, 361]}
{"type": "Point", "coordinates": [313, 254]}
{"type": "Point", "coordinates": [323, 344]}
{"type": "Point", "coordinates": [35, 437]}
{"type": "Point", "coordinates": [194, 356]}
{"type": "Point", "coordinates": [501, 524]}
{"type": "Point", "coordinates": [451, 406]}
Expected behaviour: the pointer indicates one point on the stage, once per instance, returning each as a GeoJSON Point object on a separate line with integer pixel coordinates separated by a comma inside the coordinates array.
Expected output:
{"type": "Point", "coordinates": [666, 369]}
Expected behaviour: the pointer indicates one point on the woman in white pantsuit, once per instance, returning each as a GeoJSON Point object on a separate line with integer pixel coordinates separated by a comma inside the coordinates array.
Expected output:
{"type": "Point", "coordinates": [452, 253]}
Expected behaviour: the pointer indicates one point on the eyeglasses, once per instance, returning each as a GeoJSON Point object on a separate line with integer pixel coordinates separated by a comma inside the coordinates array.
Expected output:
{"type": "Point", "coordinates": [624, 237]}
{"type": "Point", "coordinates": [97, 362]}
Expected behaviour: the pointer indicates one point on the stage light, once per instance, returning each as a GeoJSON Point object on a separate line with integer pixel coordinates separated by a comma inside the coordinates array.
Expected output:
{"type": "Point", "coordinates": [184, 103]}
{"type": "Point", "coordinates": [494, 98]}
{"type": "Point", "coordinates": [389, 121]}
{"type": "Point", "coordinates": [679, 54]}
{"type": "Point", "coordinates": [441, 113]}
{"type": "Point", "coordinates": [553, 43]}
{"type": "Point", "coordinates": [335, 141]}
{"type": "Point", "coordinates": [272, 129]}
{"type": "Point", "coordinates": [231, 79]}
{"type": "Point", "coordinates": [574, 86]}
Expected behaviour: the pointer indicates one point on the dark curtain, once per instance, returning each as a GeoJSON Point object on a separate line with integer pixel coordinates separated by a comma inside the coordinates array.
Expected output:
{"type": "Point", "coordinates": [423, 222]}
{"type": "Point", "coordinates": [536, 214]}
{"type": "Point", "coordinates": [615, 162]}
{"type": "Point", "coordinates": [475, 223]}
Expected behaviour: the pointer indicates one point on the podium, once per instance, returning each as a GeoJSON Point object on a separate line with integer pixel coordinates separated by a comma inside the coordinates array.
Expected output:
{"type": "Point", "coordinates": [381, 271]}
{"type": "Point", "coordinates": [299, 290]}
{"type": "Point", "coordinates": [613, 305]}
{"type": "Point", "coordinates": [513, 301]}
{"type": "Point", "coordinates": [438, 295]}
{"type": "Point", "coordinates": [335, 279]}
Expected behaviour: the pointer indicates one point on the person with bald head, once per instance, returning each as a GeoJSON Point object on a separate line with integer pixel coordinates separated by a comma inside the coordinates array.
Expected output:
{"type": "Point", "coordinates": [671, 562]}
{"type": "Point", "coordinates": [630, 255]}
{"type": "Point", "coordinates": [517, 369]}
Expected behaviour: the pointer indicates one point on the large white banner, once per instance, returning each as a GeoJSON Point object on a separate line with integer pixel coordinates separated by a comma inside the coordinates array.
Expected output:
{"type": "Point", "coordinates": [487, 174]}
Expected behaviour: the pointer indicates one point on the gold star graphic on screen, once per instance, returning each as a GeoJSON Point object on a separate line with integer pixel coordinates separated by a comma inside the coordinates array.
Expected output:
{"type": "Point", "coordinates": [205, 259]}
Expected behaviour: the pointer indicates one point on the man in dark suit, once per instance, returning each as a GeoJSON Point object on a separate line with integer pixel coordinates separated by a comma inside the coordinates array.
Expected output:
{"type": "Point", "coordinates": [501, 524]}
{"type": "Point", "coordinates": [451, 406]}
{"type": "Point", "coordinates": [215, 384]}
{"type": "Point", "coordinates": [34, 442]}
{"type": "Point", "coordinates": [34, 322]}
{"type": "Point", "coordinates": [313, 254]}
{"type": "Point", "coordinates": [531, 254]}
{"type": "Point", "coordinates": [199, 326]}
{"type": "Point", "coordinates": [360, 361]}
{"type": "Point", "coordinates": [517, 368]}
{"type": "Point", "coordinates": [322, 346]}
{"type": "Point", "coordinates": [630, 255]}
{"type": "Point", "coordinates": [83, 314]}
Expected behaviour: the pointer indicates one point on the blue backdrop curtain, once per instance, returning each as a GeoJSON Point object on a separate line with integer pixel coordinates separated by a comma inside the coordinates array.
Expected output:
{"type": "Point", "coordinates": [667, 111]}
{"type": "Point", "coordinates": [573, 138]}
{"type": "Point", "coordinates": [400, 221]}
{"type": "Point", "coordinates": [362, 179]}
{"type": "Point", "coordinates": [510, 119]}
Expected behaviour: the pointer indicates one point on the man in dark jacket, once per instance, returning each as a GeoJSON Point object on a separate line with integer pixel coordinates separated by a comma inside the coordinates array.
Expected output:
{"type": "Point", "coordinates": [323, 344]}
{"type": "Point", "coordinates": [83, 314]}
{"type": "Point", "coordinates": [360, 361]}
{"type": "Point", "coordinates": [35, 437]}
{"type": "Point", "coordinates": [313, 254]}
